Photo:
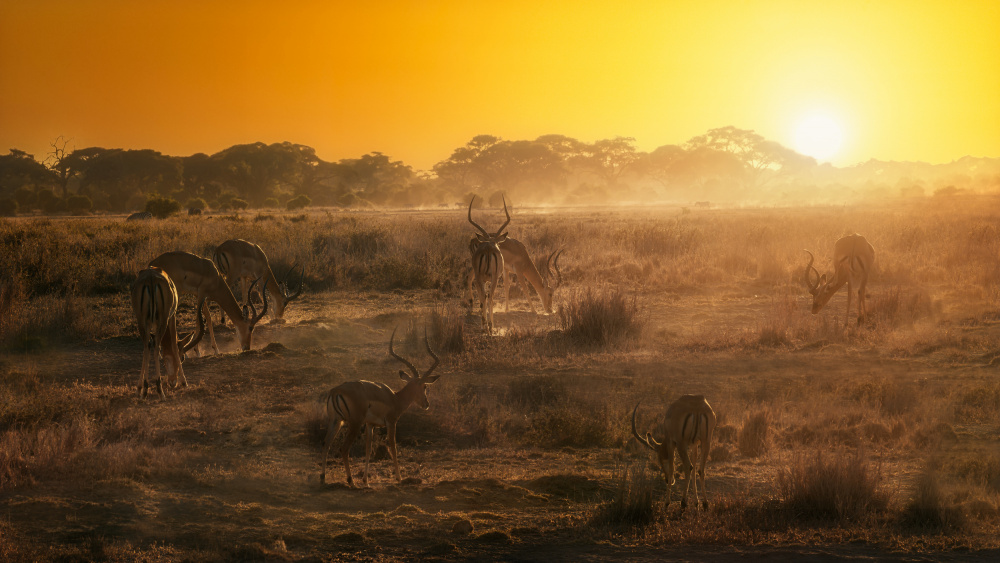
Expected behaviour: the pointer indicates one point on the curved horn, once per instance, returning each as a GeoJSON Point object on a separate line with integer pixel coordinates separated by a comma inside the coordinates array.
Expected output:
{"type": "Point", "coordinates": [284, 282]}
{"type": "Point", "coordinates": [427, 373]}
{"type": "Point", "coordinates": [636, 433]}
{"type": "Point", "coordinates": [809, 267]}
{"type": "Point", "coordinates": [474, 224]}
{"type": "Point", "coordinates": [500, 230]}
{"type": "Point", "coordinates": [192, 340]}
{"type": "Point", "coordinates": [555, 264]}
{"type": "Point", "coordinates": [253, 317]}
{"type": "Point", "coordinates": [394, 355]}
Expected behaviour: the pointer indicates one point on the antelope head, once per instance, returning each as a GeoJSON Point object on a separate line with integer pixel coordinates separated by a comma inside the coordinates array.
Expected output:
{"type": "Point", "coordinates": [821, 289]}
{"type": "Point", "coordinates": [484, 235]}
{"type": "Point", "coordinates": [415, 389]}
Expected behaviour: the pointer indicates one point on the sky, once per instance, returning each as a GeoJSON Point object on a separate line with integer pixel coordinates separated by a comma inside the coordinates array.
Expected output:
{"type": "Point", "coordinates": [913, 80]}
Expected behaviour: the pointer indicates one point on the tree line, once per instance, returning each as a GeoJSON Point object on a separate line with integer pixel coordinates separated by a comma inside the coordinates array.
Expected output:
{"type": "Point", "coordinates": [724, 164]}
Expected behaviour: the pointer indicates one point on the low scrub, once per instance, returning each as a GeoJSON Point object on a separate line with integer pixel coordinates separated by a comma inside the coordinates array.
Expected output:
{"type": "Point", "coordinates": [602, 318]}
{"type": "Point", "coordinates": [840, 487]}
{"type": "Point", "coordinates": [754, 439]}
{"type": "Point", "coordinates": [631, 504]}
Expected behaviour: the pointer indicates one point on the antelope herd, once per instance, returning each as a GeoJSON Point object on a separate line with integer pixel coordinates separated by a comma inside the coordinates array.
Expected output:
{"type": "Point", "coordinates": [361, 406]}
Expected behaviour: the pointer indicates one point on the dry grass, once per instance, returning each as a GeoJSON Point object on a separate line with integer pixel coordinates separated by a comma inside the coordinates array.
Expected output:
{"type": "Point", "coordinates": [842, 487]}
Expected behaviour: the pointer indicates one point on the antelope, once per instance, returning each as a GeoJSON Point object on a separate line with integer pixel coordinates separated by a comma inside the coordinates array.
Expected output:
{"type": "Point", "coordinates": [488, 265]}
{"type": "Point", "coordinates": [690, 422]}
{"type": "Point", "coordinates": [517, 264]}
{"type": "Point", "coordinates": [200, 277]}
{"type": "Point", "coordinates": [154, 301]}
{"type": "Point", "coordinates": [366, 404]}
{"type": "Point", "coordinates": [853, 258]}
{"type": "Point", "coordinates": [239, 260]}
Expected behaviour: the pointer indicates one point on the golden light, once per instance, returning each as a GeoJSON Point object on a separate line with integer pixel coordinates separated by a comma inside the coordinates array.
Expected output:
{"type": "Point", "coordinates": [818, 136]}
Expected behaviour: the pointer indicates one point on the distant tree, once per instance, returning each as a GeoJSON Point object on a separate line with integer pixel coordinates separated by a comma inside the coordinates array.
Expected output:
{"type": "Point", "coordinates": [48, 201]}
{"type": "Point", "coordinates": [196, 203]}
{"type": "Point", "coordinates": [56, 162]}
{"type": "Point", "coordinates": [298, 202]}
{"type": "Point", "coordinates": [238, 203]}
{"type": "Point", "coordinates": [19, 169]}
{"type": "Point", "coordinates": [610, 158]}
{"type": "Point", "coordinates": [8, 206]}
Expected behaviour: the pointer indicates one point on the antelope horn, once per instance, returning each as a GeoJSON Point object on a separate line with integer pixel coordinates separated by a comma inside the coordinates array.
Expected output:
{"type": "Point", "coordinates": [555, 264]}
{"type": "Point", "coordinates": [474, 224]}
{"type": "Point", "coordinates": [809, 267]}
{"type": "Point", "coordinates": [500, 230]}
{"type": "Point", "coordinates": [394, 355]}
{"type": "Point", "coordinates": [284, 282]}
{"type": "Point", "coordinates": [433, 355]}
{"type": "Point", "coordinates": [192, 340]}
{"type": "Point", "coordinates": [253, 316]}
{"type": "Point", "coordinates": [636, 433]}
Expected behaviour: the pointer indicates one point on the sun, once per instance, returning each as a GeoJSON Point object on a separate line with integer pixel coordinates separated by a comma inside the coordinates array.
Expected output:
{"type": "Point", "coordinates": [818, 136]}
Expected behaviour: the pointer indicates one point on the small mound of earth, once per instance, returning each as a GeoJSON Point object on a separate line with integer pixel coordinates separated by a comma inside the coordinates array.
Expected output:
{"type": "Point", "coordinates": [276, 347]}
{"type": "Point", "coordinates": [566, 485]}
{"type": "Point", "coordinates": [462, 527]}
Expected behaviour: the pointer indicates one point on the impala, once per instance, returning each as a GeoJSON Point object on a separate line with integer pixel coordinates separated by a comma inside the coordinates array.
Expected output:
{"type": "Point", "coordinates": [690, 422]}
{"type": "Point", "coordinates": [487, 265]}
{"type": "Point", "coordinates": [366, 404]}
{"type": "Point", "coordinates": [154, 300]}
{"type": "Point", "coordinates": [517, 264]}
{"type": "Point", "coordinates": [199, 277]}
{"type": "Point", "coordinates": [241, 261]}
{"type": "Point", "coordinates": [853, 258]}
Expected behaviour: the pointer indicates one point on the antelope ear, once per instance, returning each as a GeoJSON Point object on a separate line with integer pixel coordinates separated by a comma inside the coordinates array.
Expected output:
{"type": "Point", "coordinates": [481, 238]}
{"type": "Point", "coordinates": [405, 376]}
{"type": "Point", "coordinates": [501, 238]}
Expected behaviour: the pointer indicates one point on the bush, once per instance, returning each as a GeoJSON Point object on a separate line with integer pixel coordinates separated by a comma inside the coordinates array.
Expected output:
{"type": "Point", "coordinates": [238, 203]}
{"type": "Point", "coordinates": [754, 437]}
{"type": "Point", "coordinates": [8, 206]}
{"type": "Point", "coordinates": [162, 207]}
{"type": "Point", "coordinates": [298, 202]}
{"type": "Point", "coordinates": [631, 505]}
{"type": "Point", "coordinates": [25, 197]}
{"type": "Point", "coordinates": [48, 202]}
{"type": "Point", "coordinates": [602, 319]}
{"type": "Point", "coordinates": [927, 508]}
{"type": "Point", "coordinates": [196, 203]}
{"type": "Point", "coordinates": [844, 488]}
{"type": "Point", "coordinates": [78, 204]}
{"type": "Point", "coordinates": [271, 203]}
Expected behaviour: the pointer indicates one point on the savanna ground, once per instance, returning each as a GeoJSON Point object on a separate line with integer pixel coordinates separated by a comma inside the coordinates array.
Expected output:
{"type": "Point", "coordinates": [880, 441]}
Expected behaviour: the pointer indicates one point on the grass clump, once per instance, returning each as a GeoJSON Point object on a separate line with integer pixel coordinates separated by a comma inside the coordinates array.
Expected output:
{"type": "Point", "coordinates": [927, 508]}
{"type": "Point", "coordinates": [754, 438]}
{"type": "Point", "coordinates": [842, 488]}
{"type": "Point", "coordinates": [602, 318]}
{"type": "Point", "coordinates": [631, 504]}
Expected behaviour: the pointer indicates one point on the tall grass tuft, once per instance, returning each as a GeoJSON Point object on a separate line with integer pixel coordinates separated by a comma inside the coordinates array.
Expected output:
{"type": "Point", "coordinates": [602, 318]}
{"type": "Point", "coordinates": [927, 508]}
{"type": "Point", "coordinates": [754, 439]}
{"type": "Point", "coordinates": [840, 487]}
{"type": "Point", "coordinates": [631, 504]}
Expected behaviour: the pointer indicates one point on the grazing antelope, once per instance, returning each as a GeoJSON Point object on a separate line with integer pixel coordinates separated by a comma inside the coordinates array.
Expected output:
{"type": "Point", "coordinates": [242, 261]}
{"type": "Point", "coordinates": [366, 404]}
{"type": "Point", "coordinates": [154, 300]}
{"type": "Point", "coordinates": [690, 422]}
{"type": "Point", "coordinates": [517, 264]}
{"type": "Point", "coordinates": [853, 258]}
{"type": "Point", "coordinates": [488, 265]}
{"type": "Point", "coordinates": [200, 277]}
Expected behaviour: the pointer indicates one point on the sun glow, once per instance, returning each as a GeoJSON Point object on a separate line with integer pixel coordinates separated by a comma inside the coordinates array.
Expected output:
{"type": "Point", "coordinates": [818, 136]}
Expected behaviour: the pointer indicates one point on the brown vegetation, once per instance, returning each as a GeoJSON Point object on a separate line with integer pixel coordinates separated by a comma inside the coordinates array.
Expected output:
{"type": "Point", "coordinates": [882, 435]}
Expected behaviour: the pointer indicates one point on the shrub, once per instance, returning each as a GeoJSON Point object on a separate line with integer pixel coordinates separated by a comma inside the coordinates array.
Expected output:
{"type": "Point", "coordinates": [271, 203]}
{"type": "Point", "coordinates": [754, 439]}
{"type": "Point", "coordinates": [601, 318]}
{"type": "Point", "coordinates": [841, 487]}
{"type": "Point", "coordinates": [78, 203]}
{"type": "Point", "coordinates": [927, 507]}
{"type": "Point", "coordinates": [196, 203]}
{"type": "Point", "coordinates": [162, 207]}
{"type": "Point", "coordinates": [25, 197]}
{"type": "Point", "coordinates": [631, 504]}
{"type": "Point", "coordinates": [8, 206]}
{"type": "Point", "coordinates": [298, 202]}
{"type": "Point", "coordinates": [238, 203]}
{"type": "Point", "coordinates": [48, 202]}
{"type": "Point", "coordinates": [532, 392]}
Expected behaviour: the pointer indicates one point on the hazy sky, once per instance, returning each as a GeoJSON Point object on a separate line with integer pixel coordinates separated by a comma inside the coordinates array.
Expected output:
{"type": "Point", "coordinates": [911, 80]}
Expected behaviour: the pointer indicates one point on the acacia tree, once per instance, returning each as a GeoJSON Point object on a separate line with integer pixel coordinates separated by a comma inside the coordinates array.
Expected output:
{"type": "Point", "coordinates": [609, 158]}
{"type": "Point", "coordinates": [19, 169]}
{"type": "Point", "coordinates": [762, 159]}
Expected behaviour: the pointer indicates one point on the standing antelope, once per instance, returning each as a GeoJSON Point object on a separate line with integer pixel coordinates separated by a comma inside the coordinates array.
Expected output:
{"type": "Point", "coordinates": [518, 264]}
{"type": "Point", "coordinates": [690, 422]}
{"type": "Point", "coordinates": [241, 261]}
{"type": "Point", "coordinates": [487, 265]}
{"type": "Point", "coordinates": [853, 258]}
{"type": "Point", "coordinates": [366, 404]}
{"type": "Point", "coordinates": [154, 300]}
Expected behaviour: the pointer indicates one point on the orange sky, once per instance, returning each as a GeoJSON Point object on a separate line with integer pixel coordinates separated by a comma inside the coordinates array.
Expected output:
{"type": "Point", "coordinates": [904, 80]}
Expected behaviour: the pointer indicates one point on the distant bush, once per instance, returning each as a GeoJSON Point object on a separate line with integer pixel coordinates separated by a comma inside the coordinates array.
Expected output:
{"type": "Point", "coordinates": [298, 202]}
{"type": "Point", "coordinates": [238, 203]}
{"type": "Point", "coordinates": [162, 207]}
{"type": "Point", "coordinates": [49, 202]}
{"type": "Point", "coordinates": [271, 203]}
{"type": "Point", "coordinates": [602, 318]}
{"type": "Point", "coordinates": [8, 206]}
{"type": "Point", "coordinates": [25, 197]}
{"type": "Point", "coordinates": [196, 203]}
{"type": "Point", "coordinates": [78, 203]}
